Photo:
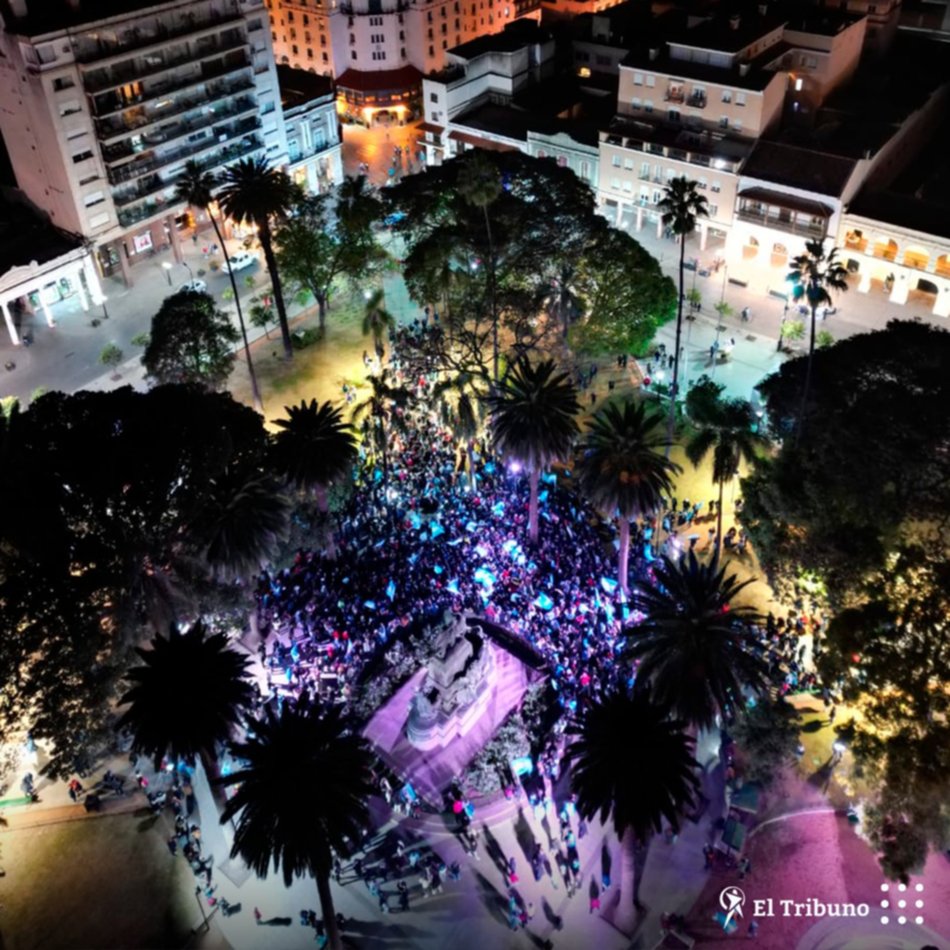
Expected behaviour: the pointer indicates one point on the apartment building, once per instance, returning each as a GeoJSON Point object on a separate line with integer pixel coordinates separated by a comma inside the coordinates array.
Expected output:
{"type": "Point", "coordinates": [314, 143]}
{"type": "Point", "coordinates": [378, 50]}
{"type": "Point", "coordinates": [102, 102]}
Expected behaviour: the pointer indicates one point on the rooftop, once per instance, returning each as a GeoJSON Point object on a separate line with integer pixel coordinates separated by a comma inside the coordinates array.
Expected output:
{"type": "Point", "coordinates": [802, 168]}
{"type": "Point", "coordinates": [378, 80]}
{"type": "Point", "coordinates": [728, 32]}
{"type": "Point", "coordinates": [300, 86]}
{"type": "Point", "coordinates": [756, 78]}
{"type": "Point", "coordinates": [27, 236]}
{"type": "Point", "coordinates": [701, 141]}
{"type": "Point", "coordinates": [513, 37]}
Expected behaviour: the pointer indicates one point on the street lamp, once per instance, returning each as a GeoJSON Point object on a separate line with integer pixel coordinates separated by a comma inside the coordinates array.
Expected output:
{"type": "Point", "coordinates": [187, 267]}
{"type": "Point", "coordinates": [167, 267]}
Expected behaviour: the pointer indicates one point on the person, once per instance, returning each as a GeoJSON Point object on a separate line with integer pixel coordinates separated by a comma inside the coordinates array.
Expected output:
{"type": "Point", "coordinates": [594, 903]}
{"type": "Point", "coordinates": [257, 916]}
{"type": "Point", "coordinates": [753, 928]}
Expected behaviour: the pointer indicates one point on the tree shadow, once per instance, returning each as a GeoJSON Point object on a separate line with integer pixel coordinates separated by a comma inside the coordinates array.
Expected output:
{"type": "Point", "coordinates": [493, 849]}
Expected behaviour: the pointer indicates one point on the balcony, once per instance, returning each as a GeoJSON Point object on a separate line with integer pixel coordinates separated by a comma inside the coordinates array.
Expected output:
{"type": "Point", "coordinates": [113, 154]}
{"type": "Point", "coordinates": [132, 72]}
{"type": "Point", "coordinates": [697, 100]}
{"type": "Point", "coordinates": [136, 118]}
{"type": "Point", "coordinates": [887, 252]}
{"type": "Point", "coordinates": [675, 94]}
{"type": "Point", "coordinates": [133, 170]}
{"type": "Point", "coordinates": [781, 219]}
{"type": "Point", "coordinates": [856, 244]}
{"type": "Point", "coordinates": [112, 105]}
{"type": "Point", "coordinates": [92, 48]}
{"type": "Point", "coordinates": [232, 153]}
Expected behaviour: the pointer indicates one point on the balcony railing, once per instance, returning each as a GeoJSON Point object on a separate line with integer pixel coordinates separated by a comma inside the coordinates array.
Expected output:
{"type": "Point", "coordinates": [132, 215]}
{"type": "Point", "coordinates": [114, 76]}
{"type": "Point", "coordinates": [112, 105]}
{"type": "Point", "coordinates": [787, 222]}
{"type": "Point", "coordinates": [856, 244]}
{"type": "Point", "coordinates": [885, 253]}
{"type": "Point", "coordinates": [114, 154]}
{"type": "Point", "coordinates": [116, 126]}
{"type": "Point", "coordinates": [91, 49]}
{"type": "Point", "coordinates": [697, 100]}
{"type": "Point", "coordinates": [675, 95]}
{"type": "Point", "coordinates": [130, 172]}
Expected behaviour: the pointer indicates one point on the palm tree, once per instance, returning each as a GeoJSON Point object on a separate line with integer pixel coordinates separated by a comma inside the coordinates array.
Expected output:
{"type": "Point", "coordinates": [812, 276]}
{"type": "Point", "coordinates": [462, 400]}
{"type": "Point", "coordinates": [189, 695]}
{"type": "Point", "coordinates": [532, 422]}
{"type": "Point", "coordinates": [241, 524]}
{"type": "Point", "coordinates": [314, 447]}
{"type": "Point", "coordinates": [195, 187]}
{"type": "Point", "coordinates": [253, 192]}
{"type": "Point", "coordinates": [729, 429]}
{"type": "Point", "coordinates": [300, 794]}
{"type": "Point", "coordinates": [381, 409]}
{"type": "Point", "coordinates": [681, 206]}
{"type": "Point", "coordinates": [648, 775]}
{"type": "Point", "coordinates": [621, 470]}
{"type": "Point", "coordinates": [377, 320]}
{"type": "Point", "coordinates": [563, 299]}
{"type": "Point", "coordinates": [695, 646]}
{"type": "Point", "coordinates": [479, 184]}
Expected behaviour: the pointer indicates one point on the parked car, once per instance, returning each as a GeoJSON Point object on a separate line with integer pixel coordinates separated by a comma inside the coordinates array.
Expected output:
{"type": "Point", "coordinates": [193, 287]}
{"type": "Point", "coordinates": [242, 260]}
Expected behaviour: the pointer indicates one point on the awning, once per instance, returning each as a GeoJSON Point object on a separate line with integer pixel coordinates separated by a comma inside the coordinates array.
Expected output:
{"type": "Point", "coordinates": [429, 127]}
{"type": "Point", "coordinates": [782, 200]}
{"type": "Point", "coordinates": [379, 80]}
{"type": "Point", "coordinates": [478, 142]}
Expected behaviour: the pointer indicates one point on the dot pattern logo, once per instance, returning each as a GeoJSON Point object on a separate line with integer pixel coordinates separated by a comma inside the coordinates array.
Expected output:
{"type": "Point", "coordinates": [904, 905]}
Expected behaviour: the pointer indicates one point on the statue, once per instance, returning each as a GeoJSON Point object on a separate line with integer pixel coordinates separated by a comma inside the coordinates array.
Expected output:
{"type": "Point", "coordinates": [457, 677]}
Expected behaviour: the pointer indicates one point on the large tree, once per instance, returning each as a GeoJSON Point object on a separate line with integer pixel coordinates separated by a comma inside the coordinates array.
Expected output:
{"type": "Point", "coordinates": [533, 422]}
{"type": "Point", "coordinates": [380, 411]}
{"type": "Point", "coordinates": [681, 207]}
{"type": "Point", "coordinates": [621, 470]}
{"type": "Point", "coordinates": [624, 296]}
{"type": "Point", "coordinates": [730, 430]}
{"type": "Point", "coordinates": [695, 645]}
{"type": "Point", "coordinates": [196, 186]}
{"type": "Point", "coordinates": [252, 192]}
{"type": "Point", "coordinates": [328, 238]}
{"type": "Point", "coordinates": [608, 783]}
{"type": "Point", "coordinates": [191, 341]}
{"type": "Point", "coordinates": [300, 794]}
{"type": "Point", "coordinates": [814, 275]}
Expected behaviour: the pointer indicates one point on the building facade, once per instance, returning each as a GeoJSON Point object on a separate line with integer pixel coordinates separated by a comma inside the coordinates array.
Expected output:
{"type": "Point", "coordinates": [379, 50]}
{"type": "Point", "coordinates": [314, 143]}
{"type": "Point", "coordinates": [101, 113]}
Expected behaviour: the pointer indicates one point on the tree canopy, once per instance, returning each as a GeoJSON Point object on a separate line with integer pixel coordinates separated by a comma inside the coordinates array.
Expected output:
{"type": "Point", "coordinates": [191, 341]}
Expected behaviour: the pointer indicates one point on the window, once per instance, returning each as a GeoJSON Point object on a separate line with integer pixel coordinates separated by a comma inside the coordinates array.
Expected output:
{"type": "Point", "coordinates": [645, 170]}
{"type": "Point", "coordinates": [740, 98]}
{"type": "Point", "coordinates": [638, 79]}
{"type": "Point", "coordinates": [615, 184]}
{"type": "Point", "coordinates": [615, 161]}
{"type": "Point", "coordinates": [715, 186]}
{"type": "Point", "coordinates": [651, 81]}
{"type": "Point", "coordinates": [445, 45]}
{"type": "Point", "coordinates": [657, 196]}
{"type": "Point", "coordinates": [431, 49]}
{"type": "Point", "coordinates": [727, 95]}
{"type": "Point", "coordinates": [325, 58]}
{"type": "Point", "coordinates": [585, 170]}
{"type": "Point", "coordinates": [81, 156]}
{"type": "Point", "coordinates": [294, 50]}
{"type": "Point", "coordinates": [628, 164]}
{"type": "Point", "coordinates": [89, 180]}
{"type": "Point", "coordinates": [430, 34]}
{"type": "Point", "coordinates": [94, 198]}
{"type": "Point", "coordinates": [76, 135]}
{"type": "Point", "coordinates": [309, 53]}
{"type": "Point", "coordinates": [673, 115]}
{"type": "Point", "coordinates": [647, 105]}
{"type": "Point", "coordinates": [433, 97]}
{"type": "Point", "coordinates": [737, 124]}
{"type": "Point", "coordinates": [353, 54]}
{"type": "Point", "coordinates": [64, 82]}
{"type": "Point", "coordinates": [635, 102]}
{"type": "Point", "coordinates": [701, 183]}
{"type": "Point", "coordinates": [628, 186]}
{"type": "Point", "coordinates": [70, 108]}
{"type": "Point", "coordinates": [402, 34]}
{"type": "Point", "coordinates": [713, 211]}
{"type": "Point", "coordinates": [724, 122]}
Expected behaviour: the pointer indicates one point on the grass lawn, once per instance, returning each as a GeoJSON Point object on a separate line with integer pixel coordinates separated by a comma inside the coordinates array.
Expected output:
{"type": "Point", "coordinates": [94, 883]}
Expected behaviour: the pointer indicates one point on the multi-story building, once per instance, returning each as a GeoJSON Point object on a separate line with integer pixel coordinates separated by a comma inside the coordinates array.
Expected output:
{"type": "Point", "coordinates": [102, 102]}
{"type": "Point", "coordinates": [314, 145]}
{"type": "Point", "coordinates": [378, 50]}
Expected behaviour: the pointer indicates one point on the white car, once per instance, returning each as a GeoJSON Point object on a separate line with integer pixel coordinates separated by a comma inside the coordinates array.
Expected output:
{"type": "Point", "coordinates": [193, 287]}
{"type": "Point", "coordinates": [241, 260]}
